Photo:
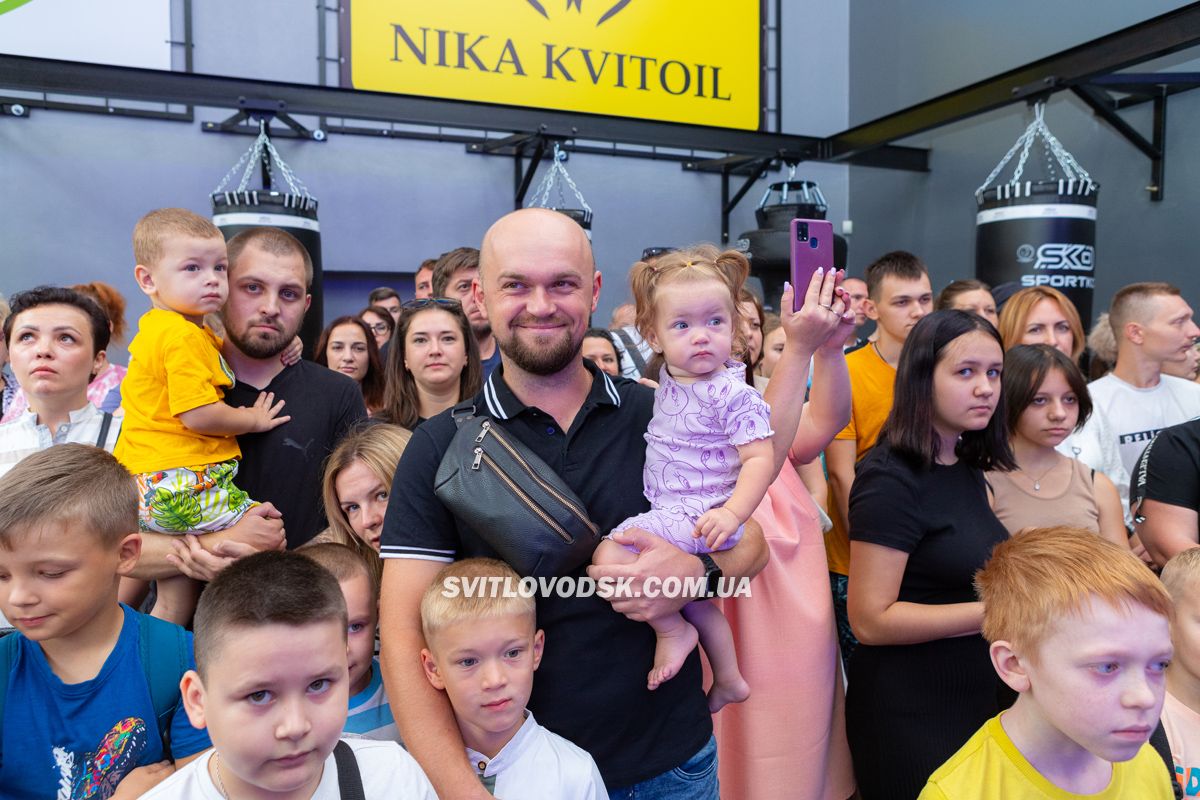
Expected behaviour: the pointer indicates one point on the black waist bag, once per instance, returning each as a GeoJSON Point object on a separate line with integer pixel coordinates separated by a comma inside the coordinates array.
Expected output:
{"type": "Point", "coordinates": [495, 485]}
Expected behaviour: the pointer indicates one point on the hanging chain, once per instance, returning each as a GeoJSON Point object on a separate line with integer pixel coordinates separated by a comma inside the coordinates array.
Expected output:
{"type": "Point", "coordinates": [253, 157]}
{"type": "Point", "coordinates": [791, 176]}
{"type": "Point", "coordinates": [554, 178]}
{"type": "Point", "coordinates": [1024, 143]}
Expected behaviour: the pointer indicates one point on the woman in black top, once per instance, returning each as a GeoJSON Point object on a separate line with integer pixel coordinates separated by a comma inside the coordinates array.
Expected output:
{"type": "Point", "coordinates": [921, 682]}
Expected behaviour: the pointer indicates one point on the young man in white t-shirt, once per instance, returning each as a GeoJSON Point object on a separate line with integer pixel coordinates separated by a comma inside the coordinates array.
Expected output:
{"type": "Point", "coordinates": [1153, 325]}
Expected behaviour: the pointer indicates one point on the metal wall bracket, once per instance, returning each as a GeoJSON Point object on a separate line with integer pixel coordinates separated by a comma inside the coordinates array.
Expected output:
{"type": "Point", "coordinates": [752, 167]}
{"type": "Point", "coordinates": [1105, 107]}
{"type": "Point", "coordinates": [536, 146]}
{"type": "Point", "coordinates": [261, 110]}
{"type": "Point", "coordinates": [23, 106]}
{"type": "Point", "coordinates": [1088, 63]}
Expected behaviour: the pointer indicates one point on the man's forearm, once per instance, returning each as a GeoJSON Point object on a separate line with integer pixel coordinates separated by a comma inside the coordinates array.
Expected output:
{"type": "Point", "coordinates": [748, 557]}
{"type": "Point", "coordinates": [153, 565]}
{"type": "Point", "coordinates": [427, 725]}
{"type": "Point", "coordinates": [1165, 544]}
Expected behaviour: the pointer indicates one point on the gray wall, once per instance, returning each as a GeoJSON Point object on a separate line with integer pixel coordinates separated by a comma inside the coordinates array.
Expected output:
{"type": "Point", "coordinates": [906, 51]}
{"type": "Point", "coordinates": [76, 183]}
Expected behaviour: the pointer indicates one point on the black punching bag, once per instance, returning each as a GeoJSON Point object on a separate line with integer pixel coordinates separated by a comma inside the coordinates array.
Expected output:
{"type": "Point", "coordinates": [294, 211]}
{"type": "Point", "coordinates": [1039, 232]}
{"type": "Point", "coordinates": [234, 212]}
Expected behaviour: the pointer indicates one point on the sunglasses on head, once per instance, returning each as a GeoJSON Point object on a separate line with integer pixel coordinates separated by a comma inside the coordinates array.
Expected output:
{"type": "Point", "coordinates": [655, 252]}
{"type": "Point", "coordinates": [426, 302]}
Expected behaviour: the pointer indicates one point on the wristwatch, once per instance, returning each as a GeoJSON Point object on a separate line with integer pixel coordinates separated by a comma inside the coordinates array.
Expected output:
{"type": "Point", "coordinates": [712, 574]}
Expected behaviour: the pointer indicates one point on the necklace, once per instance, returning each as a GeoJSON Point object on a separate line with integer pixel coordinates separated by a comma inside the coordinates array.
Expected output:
{"type": "Point", "coordinates": [1037, 482]}
{"type": "Point", "coordinates": [217, 769]}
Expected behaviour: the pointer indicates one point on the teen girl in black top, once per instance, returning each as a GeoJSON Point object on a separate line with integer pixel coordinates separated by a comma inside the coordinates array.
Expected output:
{"type": "Point", "coordinates": [921, 682]}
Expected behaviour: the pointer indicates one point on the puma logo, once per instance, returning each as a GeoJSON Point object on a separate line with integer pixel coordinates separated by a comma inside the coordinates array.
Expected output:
{"type": "Point", "coordinates": [303, 448]}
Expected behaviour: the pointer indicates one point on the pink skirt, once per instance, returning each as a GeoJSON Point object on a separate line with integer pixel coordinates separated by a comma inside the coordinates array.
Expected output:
{"type": "Point", "coordinates": [789, 738]}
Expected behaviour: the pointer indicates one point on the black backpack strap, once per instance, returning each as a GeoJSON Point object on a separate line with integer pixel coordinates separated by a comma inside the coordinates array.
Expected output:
{"type": "Point", "coordinates": [463, 412]}
{"type": "Point", "coordinates": [105, 424]}
{"type": "Point", "coordinates": [349, 778]}
{"type": "Point", "coordinates": [632, 350]}
{"type": "Point", "coordinates": [8, 658]}
{"type": "Point", "coordinates": [1158, 740]}
{"type": "Point", "coordinates": [164, 652]}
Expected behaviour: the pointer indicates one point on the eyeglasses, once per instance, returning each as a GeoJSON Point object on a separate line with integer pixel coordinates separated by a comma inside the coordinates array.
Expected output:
{"type": "Point", "coordinates": [426, 302]}
{"type": "Point", "coordinates": [379, 327]}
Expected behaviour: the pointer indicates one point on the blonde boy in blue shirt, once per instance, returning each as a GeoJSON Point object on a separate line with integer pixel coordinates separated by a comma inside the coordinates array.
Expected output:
{"type": "Point", "coordinates": [1080, 629]}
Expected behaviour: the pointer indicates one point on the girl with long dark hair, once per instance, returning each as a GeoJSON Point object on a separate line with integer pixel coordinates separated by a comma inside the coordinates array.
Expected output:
{"type": "Point", "coordinates": [921, 681]}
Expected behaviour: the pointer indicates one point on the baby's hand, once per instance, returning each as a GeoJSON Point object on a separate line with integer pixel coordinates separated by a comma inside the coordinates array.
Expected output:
{"type": "Point", "coordinates": [266, 413]}
{"type": "Point", "coordinates": [716, 526]}
{"type": "Point", "coordinates": [291, 353]}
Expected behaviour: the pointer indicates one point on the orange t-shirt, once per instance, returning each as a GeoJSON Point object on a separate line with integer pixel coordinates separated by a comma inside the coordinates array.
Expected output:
{"type": "Point", "coordinates": [872, 383]}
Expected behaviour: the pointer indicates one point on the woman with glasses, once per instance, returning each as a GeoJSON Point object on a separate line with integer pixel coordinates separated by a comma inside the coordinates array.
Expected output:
{"type": "Point", "coordinates": [380, 322]}
{"type": "Point", "coordinates": [433, 363]}
{"type": "Point", "coordinates": [348, 346]}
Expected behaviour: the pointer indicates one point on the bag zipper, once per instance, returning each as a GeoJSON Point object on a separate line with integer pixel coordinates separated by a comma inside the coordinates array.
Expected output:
{"type": "Point", "coordinates": [534, 507]}
{"type": "Point", "coordinates": [580, 513]}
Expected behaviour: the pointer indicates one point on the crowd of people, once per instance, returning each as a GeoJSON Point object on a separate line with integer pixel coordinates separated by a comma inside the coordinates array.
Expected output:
{"type": "Point", "coordinates": [921, 547]}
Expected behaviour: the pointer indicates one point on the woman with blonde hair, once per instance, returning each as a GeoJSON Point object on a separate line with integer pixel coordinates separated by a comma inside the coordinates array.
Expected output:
{"type": "Point", "coordinates": [1042, 315]}
{"type": "Point", "coordinates": [355, 489]}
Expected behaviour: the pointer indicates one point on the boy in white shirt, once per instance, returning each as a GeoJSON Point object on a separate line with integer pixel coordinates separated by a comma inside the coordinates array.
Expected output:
{"type": "Point", "coordinates": [483, 646]}
{"type": "Point", "coordinates": [271, 684]}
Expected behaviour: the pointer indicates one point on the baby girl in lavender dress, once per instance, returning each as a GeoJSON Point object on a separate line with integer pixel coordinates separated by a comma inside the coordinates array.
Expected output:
{"type": "Point", "coordinates": [708, 457]}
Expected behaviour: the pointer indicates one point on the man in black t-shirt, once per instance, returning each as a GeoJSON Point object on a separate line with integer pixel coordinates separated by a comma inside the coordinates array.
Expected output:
{"type": "Point", "coordinates": [538, 286]}
{"type": "Point", "coordinates": [1165, 492]}
{"type": "Point", "coordinates": [269, 276]}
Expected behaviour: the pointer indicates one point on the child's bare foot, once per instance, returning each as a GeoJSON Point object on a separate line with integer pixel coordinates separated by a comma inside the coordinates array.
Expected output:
{"type": "Point", "coordinates": [671, 650]}
{"type": "Point", "coordinates": [725, 692]}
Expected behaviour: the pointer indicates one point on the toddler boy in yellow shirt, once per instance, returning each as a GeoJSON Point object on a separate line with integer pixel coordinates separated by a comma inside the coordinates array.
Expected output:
{"type": "Point", "coordinates": [1079, 627]}
{"type": "Point", "coordinates": [178, 437]}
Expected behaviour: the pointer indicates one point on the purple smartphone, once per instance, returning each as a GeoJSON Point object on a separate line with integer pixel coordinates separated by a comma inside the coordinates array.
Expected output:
{"type": "Point", "coordinates": [812, 247]}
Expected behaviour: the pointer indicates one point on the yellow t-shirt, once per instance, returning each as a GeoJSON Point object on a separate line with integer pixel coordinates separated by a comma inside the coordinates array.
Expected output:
{"type": "Point", "coordinates": [872, 383]}
{"type": "Point", "coordinates": [989, 767]}
{"type": "Point", "coordinates": [174, 366]}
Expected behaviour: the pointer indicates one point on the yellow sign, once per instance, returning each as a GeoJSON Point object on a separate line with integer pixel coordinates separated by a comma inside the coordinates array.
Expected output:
{"type": "Point", "coordinates": [692, 61]}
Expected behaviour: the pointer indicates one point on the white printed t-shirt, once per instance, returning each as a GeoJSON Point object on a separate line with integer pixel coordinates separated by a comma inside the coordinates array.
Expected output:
{"type": "Point", "coordinates": [387, 772]}
{"type": "Point", "coordinates": [537, 764]}
{"type": "Point", "coordinates": [1183, 733]}
{"type": "Point", "coordinates": [1137, 415]}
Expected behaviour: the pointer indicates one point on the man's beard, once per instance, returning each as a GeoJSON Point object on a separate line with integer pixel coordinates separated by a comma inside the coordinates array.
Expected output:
{"type": "Point", "coordinates": [548, 358]}
{"type": "Point", "coordinates": [258, 344]}
{"type": "Point", "coordinates": [481, 330]}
